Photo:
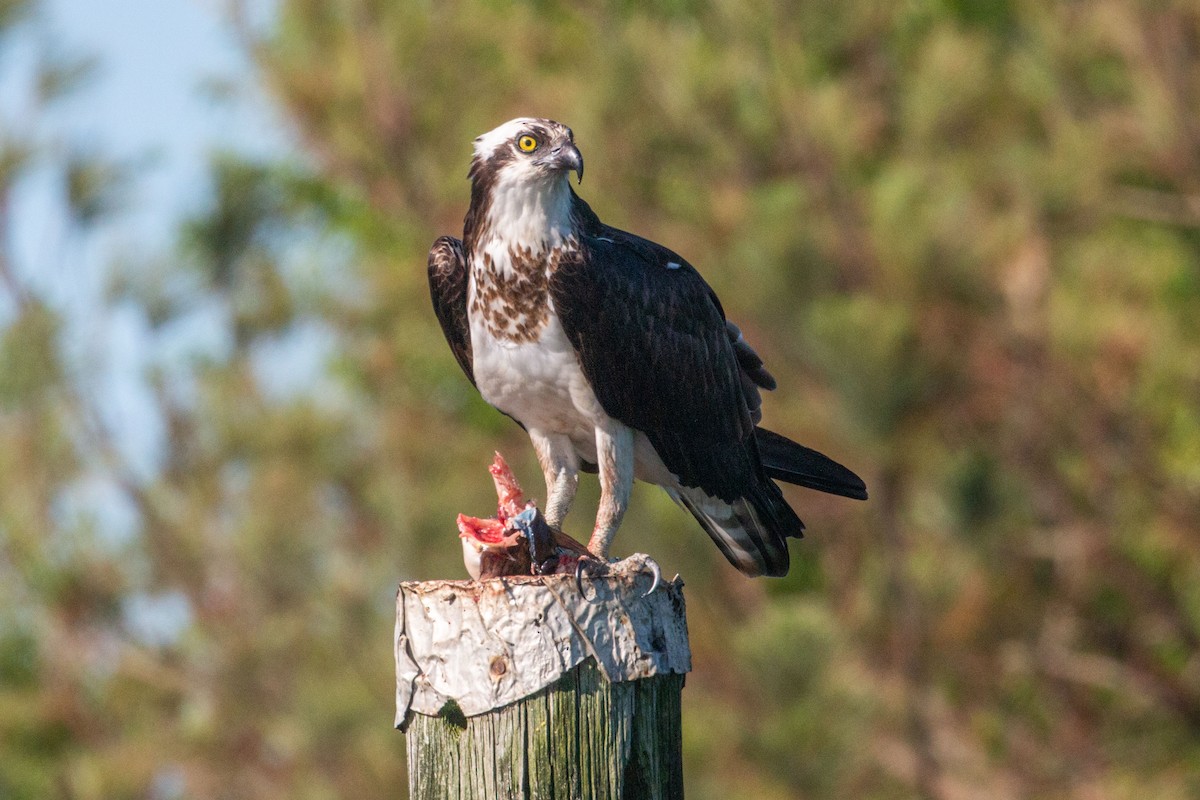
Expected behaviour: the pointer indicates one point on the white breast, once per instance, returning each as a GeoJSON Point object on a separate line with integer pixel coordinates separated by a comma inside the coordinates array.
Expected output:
{"type": "Point", "coordinates": [538, 383]}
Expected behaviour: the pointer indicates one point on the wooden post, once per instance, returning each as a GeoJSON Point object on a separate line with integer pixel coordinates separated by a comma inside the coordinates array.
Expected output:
{"type": "Point", "coordinates": [520, 687]}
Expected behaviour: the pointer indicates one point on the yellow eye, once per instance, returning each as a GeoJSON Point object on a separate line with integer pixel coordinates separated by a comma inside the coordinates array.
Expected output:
{"type": "Point", "coordinates": [527, 143]}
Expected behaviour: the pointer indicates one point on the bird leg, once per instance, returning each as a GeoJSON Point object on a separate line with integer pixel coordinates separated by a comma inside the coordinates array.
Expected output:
{"type": "Point", "coordinates": [614, 459]}
{"type": "Point", "coordinates": [560, 467]}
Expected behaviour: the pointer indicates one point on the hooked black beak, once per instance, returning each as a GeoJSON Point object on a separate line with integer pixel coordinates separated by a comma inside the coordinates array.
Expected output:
{"type": "Point", "coordinates": [567, 157]}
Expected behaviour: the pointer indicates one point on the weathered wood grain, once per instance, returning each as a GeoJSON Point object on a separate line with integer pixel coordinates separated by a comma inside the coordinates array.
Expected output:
{"type": "Point", "coordinates": [581, 738]}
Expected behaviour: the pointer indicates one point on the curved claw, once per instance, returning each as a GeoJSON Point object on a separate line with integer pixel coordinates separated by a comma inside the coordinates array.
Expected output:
{"type": "Point", "coordinates": [656, 572]}
{"type": "Point", "coordinates": [579, 576]}
{"type": "Point", "coordinates": [579, 570]}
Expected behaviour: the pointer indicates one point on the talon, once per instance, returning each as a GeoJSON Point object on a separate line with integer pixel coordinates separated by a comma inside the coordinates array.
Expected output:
{"type": "Point", "coordinates": [656, 571]}
{"type": "Point", "coordinates": [579, 570]}
{"type": "Point", "coordinates": [579, 576]}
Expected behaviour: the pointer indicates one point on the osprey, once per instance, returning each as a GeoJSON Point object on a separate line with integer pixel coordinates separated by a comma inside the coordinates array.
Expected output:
{"type": "Point", "coordinates": [614, 355]}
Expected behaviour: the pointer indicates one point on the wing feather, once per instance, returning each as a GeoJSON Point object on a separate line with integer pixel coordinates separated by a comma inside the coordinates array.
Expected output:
{"type": "Point", "coordinates": [448, 288]}
{"type": "Point", "coordinates": [653, 342]}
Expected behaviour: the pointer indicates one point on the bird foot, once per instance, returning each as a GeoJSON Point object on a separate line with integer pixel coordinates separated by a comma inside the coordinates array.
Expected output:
{"type": "Point", "coordinates": [594, 567]}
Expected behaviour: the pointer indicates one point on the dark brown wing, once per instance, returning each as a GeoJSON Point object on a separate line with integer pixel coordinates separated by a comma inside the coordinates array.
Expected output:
{"type": "Point", "coordinates": [448, 288]}
{"type": "Point", "coordinates": [652, 341]}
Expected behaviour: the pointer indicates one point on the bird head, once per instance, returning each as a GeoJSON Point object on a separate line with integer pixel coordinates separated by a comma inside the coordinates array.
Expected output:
{"type": "Point", "coordinates": [528, 149]}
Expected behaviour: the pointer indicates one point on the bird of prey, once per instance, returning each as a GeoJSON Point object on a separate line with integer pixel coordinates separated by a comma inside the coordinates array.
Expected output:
{"type": "Point", "coordinates": [614, 355]}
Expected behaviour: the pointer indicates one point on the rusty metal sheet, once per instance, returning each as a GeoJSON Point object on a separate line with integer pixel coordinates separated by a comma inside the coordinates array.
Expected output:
{"type": "Point", "coordinates": [485, 644]}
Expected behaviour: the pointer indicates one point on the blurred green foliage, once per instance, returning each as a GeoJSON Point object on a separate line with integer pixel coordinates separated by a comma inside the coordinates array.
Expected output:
{"type": "Point", "coordinates": [966, 238]}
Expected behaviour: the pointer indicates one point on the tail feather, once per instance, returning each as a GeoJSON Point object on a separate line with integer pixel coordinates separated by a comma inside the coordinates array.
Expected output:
{"type": "Point", "coordinates": [787, 461]}
{"type": "Point", "coordinates": [751, 532]}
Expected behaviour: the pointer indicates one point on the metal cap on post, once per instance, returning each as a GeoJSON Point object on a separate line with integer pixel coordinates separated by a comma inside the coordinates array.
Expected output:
{"type": "Point", "coordinates": [523, 687]}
